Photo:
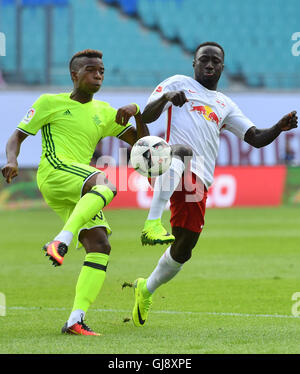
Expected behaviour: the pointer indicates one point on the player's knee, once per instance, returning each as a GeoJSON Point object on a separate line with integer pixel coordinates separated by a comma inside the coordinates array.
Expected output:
{"type": "Point", "coordinates": [185, 241]}
{"type": "Point", "coordinates": [182, 256]}
{"type": "Point", "coordinates": [103, 247]}
{"type": "Point", "coordinates": [182, 151]}
{"type": "Point", "coordinates": [99, 245]}
{"type": "Point", "coordinates": [187, 256]}
{"type": "Point", "coordinates": [95, 240]}
{"type": "Point", "coordinates": [102, 244]}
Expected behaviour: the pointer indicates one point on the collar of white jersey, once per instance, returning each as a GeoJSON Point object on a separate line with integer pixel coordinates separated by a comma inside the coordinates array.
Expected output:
{"type": "Point", "coordinates": [201, 86]}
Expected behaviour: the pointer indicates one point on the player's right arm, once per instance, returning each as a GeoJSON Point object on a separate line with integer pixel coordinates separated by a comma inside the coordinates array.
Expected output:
{"type": "Point", "coordinates": [155, 108]}
{"type": "Point", "coordinates": [10, 170]}
{"type": "Point", "coordinates": [167, 93]}
{"type": "Point", "coordinates": [34, 119]}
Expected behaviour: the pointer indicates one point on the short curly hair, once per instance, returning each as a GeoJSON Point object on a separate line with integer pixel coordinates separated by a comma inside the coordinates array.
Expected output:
{"type": "Point", "coordinates": [214, 44]}
{"type": "Point", "coordinates": [73, 64]}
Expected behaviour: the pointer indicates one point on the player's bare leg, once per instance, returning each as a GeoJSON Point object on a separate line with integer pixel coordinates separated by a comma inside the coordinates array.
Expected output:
{"type": "Point", "coordinates": [186, 240]}
{"type": "Point", "coordinates": [154, 232]}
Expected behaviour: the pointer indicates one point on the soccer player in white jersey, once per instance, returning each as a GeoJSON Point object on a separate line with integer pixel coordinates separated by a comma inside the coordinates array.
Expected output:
{"type": "Point", "coordinates": [196, 115]}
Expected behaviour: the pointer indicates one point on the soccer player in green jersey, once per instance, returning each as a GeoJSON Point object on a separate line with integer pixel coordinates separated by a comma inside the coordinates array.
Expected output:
{"type": "Point", "coordinates": [71, 125]}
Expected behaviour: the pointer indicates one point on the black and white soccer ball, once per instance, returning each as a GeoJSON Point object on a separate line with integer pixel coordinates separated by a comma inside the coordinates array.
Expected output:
{"type": "Point", "coordinates": [151, 156]}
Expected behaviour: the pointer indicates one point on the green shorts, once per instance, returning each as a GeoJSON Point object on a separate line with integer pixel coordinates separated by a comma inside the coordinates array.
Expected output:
{"type": "Point", "coordinates": [63, 188]}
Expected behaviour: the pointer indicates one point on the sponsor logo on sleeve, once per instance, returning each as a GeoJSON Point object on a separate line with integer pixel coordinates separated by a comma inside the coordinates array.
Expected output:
{"type": "Point", "coordinates": [29, 115]}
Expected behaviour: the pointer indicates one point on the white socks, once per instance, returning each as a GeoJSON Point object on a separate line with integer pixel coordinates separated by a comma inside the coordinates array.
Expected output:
{"type": "Point", "coordinates": [165, 270]}
{"type": "Point", "coordinates": [65, 237]}
{"type": "Point", "coordinates": [164, 187]}
{"type": "Point", "coordinates": [75, 316]}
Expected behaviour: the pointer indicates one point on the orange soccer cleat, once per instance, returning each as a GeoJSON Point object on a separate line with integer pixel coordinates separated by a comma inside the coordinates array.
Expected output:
{"type": "Point", "coordinates": [56, 251]}
{"type": "Point", "coordinates": [79, 328]}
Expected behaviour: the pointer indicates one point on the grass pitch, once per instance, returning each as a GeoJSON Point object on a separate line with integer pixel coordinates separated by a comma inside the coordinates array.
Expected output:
{"type": "Point", "coordinates": [234, 296]}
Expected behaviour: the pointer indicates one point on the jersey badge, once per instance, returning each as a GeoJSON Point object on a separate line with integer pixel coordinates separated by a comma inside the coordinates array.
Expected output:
{"type": "Point", "coordinates": [29, 115]}
{"type": "Point", "coordinates": [97, 120]}
{"type": "Point", "coordinates": [221, 103]}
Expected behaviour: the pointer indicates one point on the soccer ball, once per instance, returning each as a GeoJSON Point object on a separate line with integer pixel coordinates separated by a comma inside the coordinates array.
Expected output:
{"type": "Point", "coordinates": [151, 156]}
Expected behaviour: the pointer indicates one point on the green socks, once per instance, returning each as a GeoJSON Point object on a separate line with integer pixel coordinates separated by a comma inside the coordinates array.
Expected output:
{"type": "Point", "coordinates": [90, 281]}
{"type": "Point", "coordinates": [87, 207]}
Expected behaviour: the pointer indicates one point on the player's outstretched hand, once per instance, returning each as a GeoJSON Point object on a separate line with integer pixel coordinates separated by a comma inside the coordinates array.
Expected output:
{"type": "Point", "coordinates": [289, 121]}
{"type": "Point", "coordinates": [124, 113]}
{"type": "Point", "coordinates": [9, 171]}
{"type": "Point", "coordinates": [177, 98]}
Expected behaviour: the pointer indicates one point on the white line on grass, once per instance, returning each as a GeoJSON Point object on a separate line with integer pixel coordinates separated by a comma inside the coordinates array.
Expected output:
{"type": "Point", "coordinates": [217, 314]}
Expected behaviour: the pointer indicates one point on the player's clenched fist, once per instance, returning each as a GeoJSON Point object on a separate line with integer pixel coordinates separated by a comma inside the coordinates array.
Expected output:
{"type": "Point", "coordinates": [125, 112]}
{"type": "Point", "coordinates": [9, 171]}
{"type": "Point", "coordinates": [177, 98]}
{"type": "Point", "coordinates": [289, 121]}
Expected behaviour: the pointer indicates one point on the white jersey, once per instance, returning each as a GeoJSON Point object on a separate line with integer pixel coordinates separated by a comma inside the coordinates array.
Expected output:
{"type": "Point", "coordinates": [199, 122]}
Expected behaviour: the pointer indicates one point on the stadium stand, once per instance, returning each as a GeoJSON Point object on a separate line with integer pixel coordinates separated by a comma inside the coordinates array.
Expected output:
{"type": "Point", "coordinates": [144, 41]}
{"type": "Point", "coordinates": [256, 35]}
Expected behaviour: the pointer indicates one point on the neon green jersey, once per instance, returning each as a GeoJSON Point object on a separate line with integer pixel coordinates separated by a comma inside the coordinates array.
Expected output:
{"type": "Point", "coordinates": [70, 130]}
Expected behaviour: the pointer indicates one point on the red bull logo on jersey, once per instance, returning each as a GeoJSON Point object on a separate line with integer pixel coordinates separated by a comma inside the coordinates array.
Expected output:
{"type": "Point", "coordinates": [206, 112]}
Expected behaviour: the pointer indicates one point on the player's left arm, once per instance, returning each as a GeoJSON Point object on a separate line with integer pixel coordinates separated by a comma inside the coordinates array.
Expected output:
{"type": "Point", "coordinates": [261, 137]}
{"type": "Point", "coordinates": [132, 134]}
